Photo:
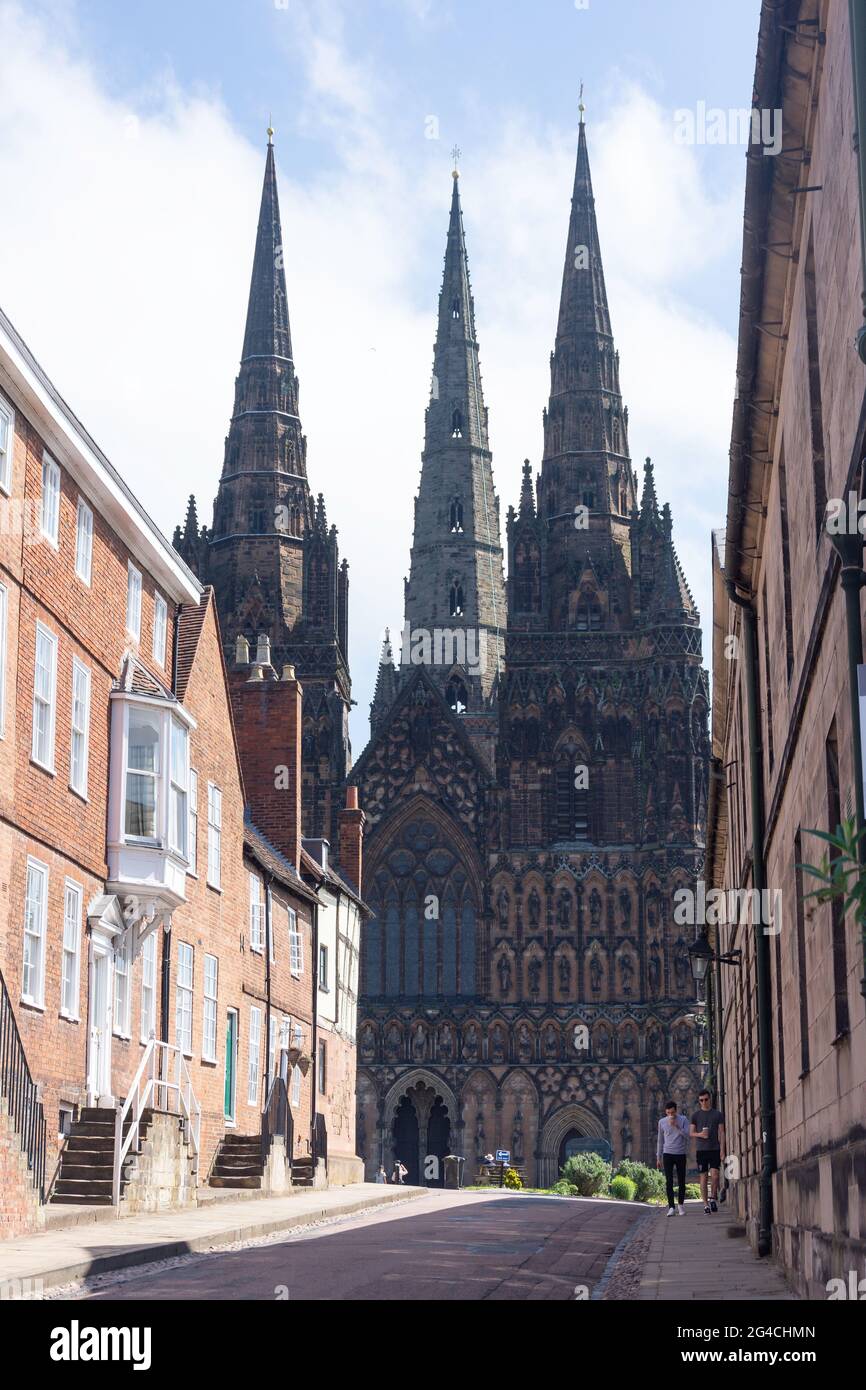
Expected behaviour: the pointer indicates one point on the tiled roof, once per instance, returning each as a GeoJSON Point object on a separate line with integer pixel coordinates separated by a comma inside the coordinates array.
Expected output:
{"type": "Point", "coordinates": [271, 859]}
{"type": "Point", "coordinates": [189, 625]}
{"type": "Point", "coordinates": [135, 679]}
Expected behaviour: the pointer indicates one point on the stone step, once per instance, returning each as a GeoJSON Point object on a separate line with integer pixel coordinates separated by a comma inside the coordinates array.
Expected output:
{"type": "Point", "coordinates": [216, 1181]}
{"type": "Point", "coordinates": [80, 1199]}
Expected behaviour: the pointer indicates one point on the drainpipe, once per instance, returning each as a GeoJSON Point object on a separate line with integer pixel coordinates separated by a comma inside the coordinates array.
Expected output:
{"type": "Point", "coordinates": [165, 972]}
{"type": "Point", "coordinates": [267, 1047]}
{"type": "Point", "coordinates": [857, 25]}
{"type": "Point", "coordinates": [762, 940]}
{"type": "Point", "coordinates": [852, 574]}
{"type": "Point", "coordinates": [314, 1067]}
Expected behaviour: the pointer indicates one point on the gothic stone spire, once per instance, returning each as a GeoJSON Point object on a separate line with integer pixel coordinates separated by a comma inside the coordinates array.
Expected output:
{"type": "Point", "coordinates": [456, 585]}
{"type": "Point", "coordinates": [586, 461]}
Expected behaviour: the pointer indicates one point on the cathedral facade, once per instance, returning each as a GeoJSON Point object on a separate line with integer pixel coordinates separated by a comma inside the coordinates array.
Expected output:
{"type": "Point", "coordinates": [535, 783]}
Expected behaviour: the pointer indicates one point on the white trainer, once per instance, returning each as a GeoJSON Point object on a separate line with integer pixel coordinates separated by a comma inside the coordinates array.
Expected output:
{"type": "Point", "coordinates": [672, 1211]}
{"type": "Point", "coordinates": [681, 1211]}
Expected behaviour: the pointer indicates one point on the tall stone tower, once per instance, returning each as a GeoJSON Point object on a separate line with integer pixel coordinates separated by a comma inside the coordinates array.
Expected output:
{"type": "Point", "coordinates": [455, 594]}
{"type": "Point", "coordinates": [270, 554]}
{"type": "Point", "coordinates": [525, 984]}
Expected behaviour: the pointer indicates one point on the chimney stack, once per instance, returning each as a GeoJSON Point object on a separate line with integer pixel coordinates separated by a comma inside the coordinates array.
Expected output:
{"type": "Point", "coordinates": [351, 826]}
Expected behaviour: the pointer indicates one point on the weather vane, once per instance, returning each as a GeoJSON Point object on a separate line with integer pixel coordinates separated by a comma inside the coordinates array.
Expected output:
{"type": "Point", "coordinates": [270, 128]}
{"type": "Point", "coordinates": [580, 106]}
{"type": "Point", "coordinates": [455, 155]}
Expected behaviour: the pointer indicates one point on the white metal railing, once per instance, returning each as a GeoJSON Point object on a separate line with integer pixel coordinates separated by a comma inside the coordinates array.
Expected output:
{"type": "Point", "coordinates": [153, 1086]}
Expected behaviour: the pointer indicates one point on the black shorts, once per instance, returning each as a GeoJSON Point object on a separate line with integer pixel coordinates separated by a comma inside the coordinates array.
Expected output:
{"type": "Point", "coordinates": [708, 1158]}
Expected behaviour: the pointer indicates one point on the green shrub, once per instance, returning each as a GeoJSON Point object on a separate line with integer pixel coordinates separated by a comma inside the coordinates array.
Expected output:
{"type": "Point", "coordinates": [693, 1189]}
{"type": "Point", "coordinates": [623, 1188]}
{"type": "Point", "coordinates": [650, 1183]}
{"type": "Point", "coordinates": [513, 1179]}
{"type": "Point", "coordinates": [565, 1189]}
{"type": "Point", "coordinates": [589, 1173]}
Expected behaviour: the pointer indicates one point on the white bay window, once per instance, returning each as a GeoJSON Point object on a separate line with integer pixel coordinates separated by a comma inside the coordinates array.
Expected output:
{"type": "Point", "coordinates": [148, 804]}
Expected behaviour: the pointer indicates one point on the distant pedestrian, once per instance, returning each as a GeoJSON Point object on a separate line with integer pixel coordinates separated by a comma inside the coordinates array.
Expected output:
{"type": "Point", "coordinates": [708, 1131]}
{"type": "Point", "coordinates": [673, 1148]}
{"type": "Point", "coordinates": [400, 1171]}
{"type": "Point", "coordinates": [381, 1176]}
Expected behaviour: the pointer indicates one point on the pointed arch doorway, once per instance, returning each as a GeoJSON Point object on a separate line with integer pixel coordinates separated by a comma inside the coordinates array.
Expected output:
{"type": "Point", "coordinates": [420, 1128]}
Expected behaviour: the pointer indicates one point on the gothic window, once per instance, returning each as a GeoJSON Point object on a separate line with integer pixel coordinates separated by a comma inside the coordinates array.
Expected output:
{"type": "Point", "coordinates": [449, 946]}
{"type": "Point", "coordinates": [256, 519]}
{"type": "Point", "coordinates": [455, 308]}
{"type": "Point", "coordinates": [572, 803]}
{"type": "Point", "coordinates": [587, 497]}
{"type": "Point", "coordinates": [456, 695]}
{"type": "Point", "coordinates": [456, 599]}
{"type": "Point", "coordinates": [455, 519]}
{"type": "Point", "coordinates": [587, 615]}
{"type": "Point", "coordinates": [457, 424]}
{"type": "Point", "coordinates": [467, 948]}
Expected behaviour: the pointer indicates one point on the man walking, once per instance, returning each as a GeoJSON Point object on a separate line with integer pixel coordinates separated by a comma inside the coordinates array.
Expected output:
{"type": "Point", "coordinates": [708, 1131]}
{"type": "Point", "coordinates": [673, 1147]}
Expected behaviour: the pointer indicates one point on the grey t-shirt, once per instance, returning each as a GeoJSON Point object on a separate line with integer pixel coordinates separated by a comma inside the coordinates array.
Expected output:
{"type": "Point", "coordinates": [708, 1119]}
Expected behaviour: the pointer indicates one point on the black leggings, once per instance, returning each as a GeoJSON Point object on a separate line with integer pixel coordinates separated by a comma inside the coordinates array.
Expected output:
{"type": "Point", "coordinates": [678, 1162]}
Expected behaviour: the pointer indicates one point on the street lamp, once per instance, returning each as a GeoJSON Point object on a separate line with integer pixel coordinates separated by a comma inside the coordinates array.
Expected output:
{"type": "Point", "coordinates": [701, 956]}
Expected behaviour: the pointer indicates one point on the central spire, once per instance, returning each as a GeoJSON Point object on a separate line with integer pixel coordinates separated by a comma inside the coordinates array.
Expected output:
{"type": "Point", "coordinates": [456, 586]}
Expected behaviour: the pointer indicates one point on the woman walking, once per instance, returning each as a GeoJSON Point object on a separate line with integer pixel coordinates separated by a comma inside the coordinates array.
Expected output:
{"type": "Point", "coordinates": [673, 1147]}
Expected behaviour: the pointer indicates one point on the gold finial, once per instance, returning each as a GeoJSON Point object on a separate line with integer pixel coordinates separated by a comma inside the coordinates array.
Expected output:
{"type": "Point", "coordinates": [455, 155]}
{"type": "Point", "coordinates": [580, 106]}
{"type": "Point", "coordinates": [270, 128]}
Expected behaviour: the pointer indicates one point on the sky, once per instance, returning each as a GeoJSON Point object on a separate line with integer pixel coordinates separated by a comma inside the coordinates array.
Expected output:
{"type": "Point", "coordinates": [132, 144]}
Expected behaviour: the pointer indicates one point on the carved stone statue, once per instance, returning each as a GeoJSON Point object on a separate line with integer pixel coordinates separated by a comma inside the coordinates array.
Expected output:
{"type": "Point", "coordinates": [654, 1044]}
{"type": "Point", "coordinates": [445, 1043]}
{"type": "Point", "coordinates": [368, 1043]}
{"type": "Point", "coordinates": [681, 965]}
{"type": "Point", "coordinates": [517, 1136]}
{"type": "Point", "coordinates": [564, 973]}
{"type": "Point", "coordinates": [563, 910]}
{"type": "Point", "coordinates": [524, 1043]}
{"type": "Point", "coordinates": [625, 1135]}
{"type": "Point", "coordinates": [626, 970]}
{"type": "Point", "coordinates": [393, 1043]}
{"type": "Point", "coordinates": [595, 973]}
{"type": "Point", "coordinates": [625, 908]}
{"type": "Point", "coordinates": [503, 969]}
{"type": "Point", "coordinates": [534, 908]}
{"type": "Point", "coordinates": [682, 1041]}
{"type": "Point", "coordinates": [534, 973]}
{"type": "Point", "coordinates": [502, 910]}
{"type": "Point", "coordinates": [654, 970]}
{"type": "Point", "coordinates": [419, 1044]}
{"type": "Point", "coordinates": [470, 1043]}
{"type": "Point", "coordinates": [602, 1044]}
{"type": "Point", "coordinates": [595, 909]}
{"type": "Point", "coordinates": [497, 1045]}
{"type": "Point", "coordinates": [551, 1042]}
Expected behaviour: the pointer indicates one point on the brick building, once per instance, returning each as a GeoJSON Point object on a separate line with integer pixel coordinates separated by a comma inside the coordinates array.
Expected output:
{"type": "Point", "coordinates": [788, 1023]}
{"type": "Point", "coordinates": [145, 920]}
{"type": "Point", "coordinates": [536, 778]}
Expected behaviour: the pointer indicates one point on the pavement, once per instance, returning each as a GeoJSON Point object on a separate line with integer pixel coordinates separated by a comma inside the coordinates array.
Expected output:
{"type": "Point", "coordinates": [63, 1254]}
{"type": "Point", "coordinates": [697, 1257]}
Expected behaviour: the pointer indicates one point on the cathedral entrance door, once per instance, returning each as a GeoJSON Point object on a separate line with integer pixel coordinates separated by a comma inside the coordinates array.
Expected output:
{"type": "Point", "coordinates": [577, 1143]}
{"type": "Point", "coordinates": [406, 1138]}
{"type": "Point", "coordinates": [438, 1140]}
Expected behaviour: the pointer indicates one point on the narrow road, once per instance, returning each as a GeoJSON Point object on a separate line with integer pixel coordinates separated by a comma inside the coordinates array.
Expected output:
{"type": "Point", "coordinates": [450, 1245]}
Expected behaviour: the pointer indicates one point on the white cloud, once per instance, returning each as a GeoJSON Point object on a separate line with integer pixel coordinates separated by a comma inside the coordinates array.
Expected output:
{"type": "Point", "coordinates": [125, 252]}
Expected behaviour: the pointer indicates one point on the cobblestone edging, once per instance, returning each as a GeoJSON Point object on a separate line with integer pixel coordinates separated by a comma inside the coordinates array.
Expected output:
{"type": "Point", "coordinates": [622, 1273]}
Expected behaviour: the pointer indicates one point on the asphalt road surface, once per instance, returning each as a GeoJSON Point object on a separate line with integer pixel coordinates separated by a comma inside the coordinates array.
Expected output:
{"type": "Point", "coordinates": [448, 1246]}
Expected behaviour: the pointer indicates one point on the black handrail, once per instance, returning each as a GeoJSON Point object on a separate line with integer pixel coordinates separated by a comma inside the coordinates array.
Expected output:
{"type": "Point", "coordinates": [21, 1092]}
{"type": "Point", "coordinates": [277, 1119]}
{"type": "Point", "coordinates": [320, 1139]}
